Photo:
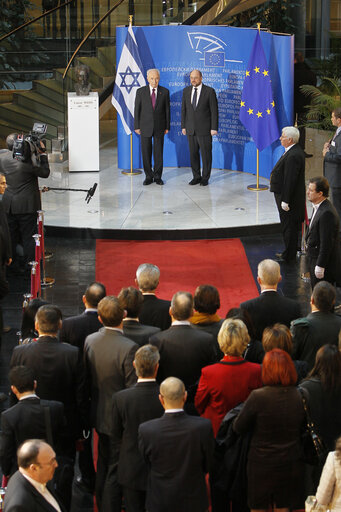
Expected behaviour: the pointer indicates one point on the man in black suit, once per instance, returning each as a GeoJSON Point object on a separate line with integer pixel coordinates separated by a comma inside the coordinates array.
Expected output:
{"type": "Point", "coordinates": [26, 419]}
{"type": "Point", "coordinates": [287, 181]}
{"type": "Point", "coordinates": [5, 249]}
{"type": "Point", "coordinates": [270, 307]}
{"type": "Point", "coordinates": [131, 300]}
{"type": "Point", "coordinates": [154, 311]}
{"type": "Point", "coordinates": [152, 122]}
{"type": "Point", "coordinates": [27, 490]}
{"type": "Point", "coordinates": [178, 450]}
{"type": "Point", "coordinates": [131, 407]}
{"type": "Point", "coordinates": [109, 359]}
{"type": "Point", "coordinates": [199, 121]}
{"type": "Point", "coordinates": [332, 161]}
{"type": "Point", "coordinates": [322, 237]}
{"type": "Point", "coordinates": [184, 350]}
{"type": "Point", "coordinates": [321, 326]}
{"type": "Point", "coordinates": [22, 197]}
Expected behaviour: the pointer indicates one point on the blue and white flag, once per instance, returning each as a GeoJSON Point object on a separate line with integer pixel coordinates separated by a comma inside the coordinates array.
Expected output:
{"type": "Point", "coordinates": [129, 78]}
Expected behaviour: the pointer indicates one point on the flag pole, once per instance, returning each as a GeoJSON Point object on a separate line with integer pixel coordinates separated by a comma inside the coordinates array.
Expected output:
{"type": "Point", "coordinates": [257, 187]}
{"type": "Point", "coordinates": [132, 172]}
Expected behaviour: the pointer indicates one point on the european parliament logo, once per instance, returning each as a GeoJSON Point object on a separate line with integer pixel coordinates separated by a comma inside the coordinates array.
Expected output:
{"type": "Point", "coordinates": [215, 59]}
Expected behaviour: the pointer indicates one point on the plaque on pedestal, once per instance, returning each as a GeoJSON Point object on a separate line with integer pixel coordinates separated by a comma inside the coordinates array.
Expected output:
{"type": "Point", "coordinates": [83, 117]}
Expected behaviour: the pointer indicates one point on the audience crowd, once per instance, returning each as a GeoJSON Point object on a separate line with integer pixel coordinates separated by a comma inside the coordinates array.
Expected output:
{"type": "Point", "coordinates": [174, 393]}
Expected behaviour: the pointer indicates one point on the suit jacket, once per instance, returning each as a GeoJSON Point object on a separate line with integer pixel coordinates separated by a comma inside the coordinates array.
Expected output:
{"type": "Point", "coordinates": [109, 367]}
{"type": "Point", "coordinates": [270, 308]}
{"type": "Point", "coordinates": [313, 331]}
{"type": "Point", "coordinates": [5, 237]}
{"type": "Point", "coordinates": [22, 194]}
{"type": "Point", "coordinates": [26, 420]}
{"type": "Point", "coordinates": [152, 121]}
{"type": "Point", "coordinates": [205, 117]}
{"type": "Point", "coordinates": [155, 312]}
{"type": "Point", "coordinates": [332, 163]}
{"type": "Point", "coordinates": [322, 239]}
{"type": "Point", "coordinates": [287, 179]}
{"type": "Point", "coordinates": [184, 351]}
{"type": "Point", "coordinates": [178, 450]}
{"type": "Point", "coordinates": [76, 328]}
{"type": "Point", "coordinates": [138, 332]}
{"type": "Point", "coordinates": [131, 407]}
{"type": "Point", "coordinates": [21, 496]}
{"type": "Point", "coordinates": [59, 372]}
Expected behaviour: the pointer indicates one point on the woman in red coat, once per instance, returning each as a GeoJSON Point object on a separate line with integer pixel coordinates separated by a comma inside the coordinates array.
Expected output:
{"type": "Point", "coordinates": [224, 385]}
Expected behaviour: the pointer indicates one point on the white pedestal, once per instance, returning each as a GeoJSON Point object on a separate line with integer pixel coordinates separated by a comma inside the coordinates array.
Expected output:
{"type": "Point", "coordinates": [83, 132]}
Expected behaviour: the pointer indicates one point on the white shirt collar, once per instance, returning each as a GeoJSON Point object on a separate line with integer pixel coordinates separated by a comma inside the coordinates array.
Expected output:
{"type": "Point", "coordinates": [32, 395]}
{"type": "Point", "coordinates": [289, 147]}
{"type": "Point", "coordinates": [140, 379]}
{"type": "Point", "coordinates": [170, 411]}
{"type": "Point", "coordinates": [181, 322]}
{"type": "Point", "coordinates": [113, 329]}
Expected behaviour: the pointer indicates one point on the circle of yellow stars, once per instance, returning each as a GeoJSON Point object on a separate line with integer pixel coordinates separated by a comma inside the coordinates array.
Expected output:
{"type": "Point", "coordinates": [265, 73]}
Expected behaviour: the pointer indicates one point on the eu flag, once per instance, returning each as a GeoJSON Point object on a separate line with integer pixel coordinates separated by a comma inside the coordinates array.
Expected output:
{"type": "Point", "coordinates": [257, 106]}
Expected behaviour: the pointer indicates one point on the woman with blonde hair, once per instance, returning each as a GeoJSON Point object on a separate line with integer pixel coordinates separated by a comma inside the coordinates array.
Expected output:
{"type": "Point", "coordinates": [329, 489]}
{"type": "Point", "coordinates": [229, 382]}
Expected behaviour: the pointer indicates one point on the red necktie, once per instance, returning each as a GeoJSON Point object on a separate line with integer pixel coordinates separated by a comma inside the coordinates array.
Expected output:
{"type": "Point", "coordinates": [153, 98]}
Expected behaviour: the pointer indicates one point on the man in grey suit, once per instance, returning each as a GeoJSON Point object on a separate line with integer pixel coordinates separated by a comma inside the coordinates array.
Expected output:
{"type": "Point", "coordinates": [332, 161]}
{"type": "Point", "coordinates": [199, 121]}
{"type": "Point", "coordinates": [109, 359]}
{"type": "Point", "coordinates": [152, 122]}
{"type": "Point", "coordinates": [178, 450]}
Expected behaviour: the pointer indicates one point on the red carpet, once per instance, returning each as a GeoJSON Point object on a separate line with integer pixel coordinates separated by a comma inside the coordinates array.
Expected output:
{"type": "Point", "coordinates": [183, 264]}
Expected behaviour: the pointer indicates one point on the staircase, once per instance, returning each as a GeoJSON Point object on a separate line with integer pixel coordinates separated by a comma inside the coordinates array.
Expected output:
{"type": "Point", "coordinates": [46, 101]}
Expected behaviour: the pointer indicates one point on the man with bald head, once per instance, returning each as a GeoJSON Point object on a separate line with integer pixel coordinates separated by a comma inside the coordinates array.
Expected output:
{"type": "Point", "coordinates": [270, 307]}
{"type": "Point", "coordinates": [27, 490]}
{"type": "Point", "coordinates": [199, 121]}
{"type": "Point", "coordinates": [178, 450]}
{"type": "Point", "coordinates": [152, 122]}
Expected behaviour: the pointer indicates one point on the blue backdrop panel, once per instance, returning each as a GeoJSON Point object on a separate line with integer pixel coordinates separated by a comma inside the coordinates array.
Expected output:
{"type": "Point", "coordinates": [222, 54]}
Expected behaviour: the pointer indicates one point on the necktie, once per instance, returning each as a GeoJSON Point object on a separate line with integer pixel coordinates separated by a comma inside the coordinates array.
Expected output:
{"type": "Point", "coordinates": [194, 99]}
{"type": "Point", "coordinates": [153, 98]}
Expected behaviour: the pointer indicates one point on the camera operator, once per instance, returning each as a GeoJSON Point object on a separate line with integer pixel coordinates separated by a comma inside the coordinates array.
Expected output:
{"type": "Point", "coordinates": [21, 199]}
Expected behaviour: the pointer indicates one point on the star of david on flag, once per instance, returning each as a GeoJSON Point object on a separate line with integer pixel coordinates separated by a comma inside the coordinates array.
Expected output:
{"type": "Point", "coordinates": [257, 106]}
{"type": "Point", "coordinates": [129, 77]}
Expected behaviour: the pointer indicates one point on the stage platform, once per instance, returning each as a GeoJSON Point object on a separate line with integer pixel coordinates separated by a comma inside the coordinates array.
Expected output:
{"type": "Point", "coordinates": [122, 208]}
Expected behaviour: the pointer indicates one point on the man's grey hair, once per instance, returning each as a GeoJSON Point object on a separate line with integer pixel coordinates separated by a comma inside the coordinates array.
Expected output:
{"type": "Point", "coordinates": [172, 390]}
{"type": "Point", "coordinates": [269, 272]}
{"type": "Point", "coordinates": [292, 133]}
{"type": "Point", "coordinates": [10, 140]}
{"type": "Point", "coordinates": [147, 277]}
{"type": "Point", "coordinates": [146, 359]}
{"type": "Point", "coordinates": [182, 305]}
{"type": "Point", "coordinates": [28, 452]}
{"type": "Point", "coordinates": [153, 70]}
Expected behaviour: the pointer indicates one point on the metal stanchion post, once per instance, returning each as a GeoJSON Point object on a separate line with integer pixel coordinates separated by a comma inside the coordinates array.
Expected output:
{"type": "Point", "coordinates": [45, 281]}
{"type": "Point", "coordinates": [38, 260]}
{"type": "Point", "coordinates": [34, 287]}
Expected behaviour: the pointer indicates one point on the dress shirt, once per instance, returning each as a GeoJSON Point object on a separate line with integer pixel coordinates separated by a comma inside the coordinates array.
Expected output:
{"type": "Point", "coordinates": [170, 411]}
{"type": "Point", "coordinates": [141, 379]}
{"type": "Point", "coordinates": [114, 329]}
{"type": "Point", "coordinates": [269, 290]}
{"type": "Point", "coordinates": [31, 395]}
{"type": "Point", "coordinates": [90, 310]}
{"type": "Point", "coordinates": [43, 490]}
{"type": "Point", "coordinates": [198, 88]}
{"type": "Point", "coordinates": [151, 90]}
{"type": "Point", "coordinates": [315, 208]}
{"type": "Point", "coordinates": [289, 147]}
{"type": "Point", "coordinates": [181, 322]}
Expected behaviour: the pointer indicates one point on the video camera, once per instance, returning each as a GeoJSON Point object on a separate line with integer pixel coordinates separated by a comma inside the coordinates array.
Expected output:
{"type": "Point", "coordinates": [27, 147]}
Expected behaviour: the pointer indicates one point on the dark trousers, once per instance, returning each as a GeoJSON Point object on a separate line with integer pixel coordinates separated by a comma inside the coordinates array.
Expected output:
{"type": "Point", "coordinates": [336, 200]}
{"type": "Point", "coordinates": [134, 500]}
{"type": "Point", "coordinates": [153, 145]}
{"type": "Point", "coordinates": [86, 463]}
{"type": "Point", "coordinates": [290, 228]}
{"type": "Point", "coordinates": [22, 227]}
{"type": "Point", "coordinates": [328, 276]}
{"type": "Point", "coordinates": [108, 491]}
{"type": "Point", "coordinates": [200, 144]}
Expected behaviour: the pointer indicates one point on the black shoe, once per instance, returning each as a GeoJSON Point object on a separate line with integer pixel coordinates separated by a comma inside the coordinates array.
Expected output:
{"type": "Point", "coordinates": [195, 181]}
{"type": "Point", "coordinates": [158, 181]}
{"type": "Point", "coordinates": [85, 485]}
{"type": "Point", "coordinates": [148, 181]}
{"type": "Point", "coordinates": [204, 183]}
{"type": "Point", "coordinates": [308, 155]}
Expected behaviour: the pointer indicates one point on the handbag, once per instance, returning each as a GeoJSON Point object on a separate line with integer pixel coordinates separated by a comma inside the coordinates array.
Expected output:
{"type": "Point", "coordinates": [311, 505]}
{"type": "Point", "coordinates": [312, 444]}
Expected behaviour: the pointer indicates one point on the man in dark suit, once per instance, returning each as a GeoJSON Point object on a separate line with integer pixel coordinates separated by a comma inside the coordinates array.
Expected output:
{"type": "Point", "coordinates": [199, 121]}
{"type": "Point", "coordinates": [184, 350]}
{"type": "Point", "coordinates": [22, 197]}
{"type": "Point", "coordinates": [322, 237]}
{"type": "Point", "coordinates": [332, 161]}
{"type": "Point", "coordinates": [131, 300]}
{"type": "Point", "coordinates": [5, 249]}
{"type": "Point", "coordinates": [131, 407]}
{"type": "Point", "coordinates": [287, 181]}
{"type": "Point", "coordinates": [152, 122]}
{"type": "Point", "coordinates": [270, 307]}
{"type": "Point", "coordinates": [154, 311]}
{"type": "Point", "coordinates": [27, 490]}
{"type": "Point", "coordinates": [321, 326]}
{"type": "Point", "coordinates": [109, 359]}
{"type": "Point", "coordinates": [26, 419]}
{"type": "Point", "coordinates": [178, 450]}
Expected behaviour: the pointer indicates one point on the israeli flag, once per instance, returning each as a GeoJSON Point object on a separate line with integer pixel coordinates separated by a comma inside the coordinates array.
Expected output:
{"type": "Point", "coordinates": [129, 78]}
